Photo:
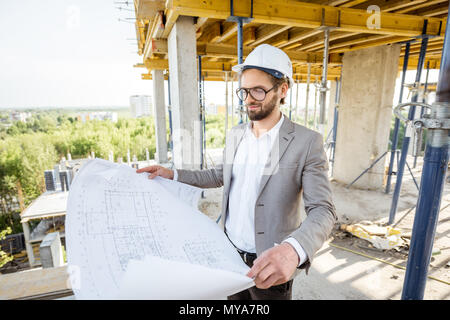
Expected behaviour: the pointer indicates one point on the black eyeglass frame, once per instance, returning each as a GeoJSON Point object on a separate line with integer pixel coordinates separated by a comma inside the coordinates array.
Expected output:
{"type": "Point", "coordinates": [247, 92]}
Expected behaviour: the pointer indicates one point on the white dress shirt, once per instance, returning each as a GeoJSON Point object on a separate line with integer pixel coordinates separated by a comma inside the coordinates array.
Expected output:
{"type": "Point", "coordinates": [249, 162]}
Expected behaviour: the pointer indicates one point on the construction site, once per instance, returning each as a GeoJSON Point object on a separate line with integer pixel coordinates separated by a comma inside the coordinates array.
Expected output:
{"type": "Point", "coordinates": [371, 76]}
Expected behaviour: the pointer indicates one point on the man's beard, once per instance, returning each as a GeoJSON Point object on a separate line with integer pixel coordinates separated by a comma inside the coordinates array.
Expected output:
{"type": "Point", "coordinates": [264, 109]}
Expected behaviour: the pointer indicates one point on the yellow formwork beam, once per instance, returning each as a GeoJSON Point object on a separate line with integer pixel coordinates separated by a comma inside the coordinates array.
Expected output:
{"type": "Point", "coordinates": [435, 62]}
{"type": "Point", "coordinates": [229, 52]}
{"type": "Point", "coordinates": [305, 15]}
{"type": "Point", "coordinates": [145, 8]}
{"type": "Point", "coordinates": [219, 77]}
{"type": "Point", "coordinates": [215, 69]}
{"type": "Point", "coordinates": [148, 76]}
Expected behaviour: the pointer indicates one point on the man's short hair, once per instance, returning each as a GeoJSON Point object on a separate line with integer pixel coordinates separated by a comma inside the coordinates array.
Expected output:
{"type": "Point", "coordinates": [278, 82]}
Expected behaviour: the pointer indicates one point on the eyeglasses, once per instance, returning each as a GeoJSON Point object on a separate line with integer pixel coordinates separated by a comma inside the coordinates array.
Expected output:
{"type": "Point", "coordinates": [257, 93]}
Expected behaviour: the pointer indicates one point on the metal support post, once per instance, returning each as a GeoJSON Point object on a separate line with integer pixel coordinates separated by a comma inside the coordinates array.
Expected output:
{"type": "Point", "coordinates": [419, 135]}
{"type": "Point", "coordinates": [323, 87]}
{"type": "Point", "coordinates": [226, 102]}
{"type": "Point", "coordinates": [296, 100]}
{"type": "Point", "coordinates": [240, 45]}
{"type": "Point", "coordinates": [397, 121]}
{"type": "Point", "coordinates": [290, 105]}
{"type": "Point", "coordinates": [432, 182]}
{"type": "Point", "coordinates": [240, 60]}
{"type": "Point", "coordinates": [202, 114]}
{"type": "Point", "coordinates": [232, 101]}
{"type": "Point", "coordinates": [315, 104]}
{"type": "Point", "coordinates": [335, 121]}
{"type": "Point", "coordinates": [370, 167]}
{"type": "Point", "coordinates": [406, 139]}
{"type": "Point", "coordinates": [412, 175]}
{"type": "Point", "coordinates": [169, 107]}
{"type": "Point", "coordinates": [204, 123]}
{"type": "Point", "coordinates": [308, 80]}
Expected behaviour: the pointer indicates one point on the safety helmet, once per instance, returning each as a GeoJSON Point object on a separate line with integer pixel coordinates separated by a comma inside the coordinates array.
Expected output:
{"type": "Point", "coordinates": [269, 59]}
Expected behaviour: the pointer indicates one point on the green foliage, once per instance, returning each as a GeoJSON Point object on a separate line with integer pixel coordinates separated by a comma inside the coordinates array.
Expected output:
{"type": "Point", "coordinates": [23, 158]}
{"type": "Point", "coordinates": [4, 257]}
{"type": "Point", "coordinates": [64, 254]}
{"type": "Point", "coordinates": [215, 131]}
{"type": "Point", "coordinates": [29, 148]}
{"type": "Point", "coordinates": [11, 220]}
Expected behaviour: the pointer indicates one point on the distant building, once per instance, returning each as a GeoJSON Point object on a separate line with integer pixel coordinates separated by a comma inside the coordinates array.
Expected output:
{"type": "Point", "coordinates": [213, 108]}
{"type": "Point", "coordinates": [141, 106]}
{"type": "Point", "coordinates": [221, 109]}
{"type": "Point", "coordinates": [99, 115]}
{"type": "Point", "coordinates": [19, 116]}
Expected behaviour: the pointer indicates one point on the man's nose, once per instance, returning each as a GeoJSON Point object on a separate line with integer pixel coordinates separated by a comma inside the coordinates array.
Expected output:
{"type": "Point", "coordinates": [249, 99]}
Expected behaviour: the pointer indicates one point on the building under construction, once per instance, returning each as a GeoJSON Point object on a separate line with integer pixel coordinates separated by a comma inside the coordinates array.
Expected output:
{"type": "Point", "coordinates": [352, 54]}
{"type": "Point", "coordinates": [352, 49]}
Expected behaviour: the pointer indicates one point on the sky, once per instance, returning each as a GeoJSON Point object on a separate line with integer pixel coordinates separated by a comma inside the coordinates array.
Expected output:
{"type": "Point", "coordinates": [60, 53]}
{"type": "Point", "coordinates": [67, 53]}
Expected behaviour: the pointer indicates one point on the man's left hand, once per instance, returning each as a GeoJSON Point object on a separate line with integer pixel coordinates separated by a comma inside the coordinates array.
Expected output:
{"type": "Point", "coordinates": [274, 266]}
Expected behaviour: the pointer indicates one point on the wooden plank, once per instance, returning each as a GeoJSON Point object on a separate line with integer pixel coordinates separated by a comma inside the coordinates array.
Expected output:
{"type": "Point", "coordinates": [428, 3]}
{"type": "Point", "coordinates": [146, 9]}
{"type": "Point", "coordinates": [34, 282]}
{"type": "Point", "coordinates": [306, 15]}
{"type": "Point", "coordinates": [265, 32]}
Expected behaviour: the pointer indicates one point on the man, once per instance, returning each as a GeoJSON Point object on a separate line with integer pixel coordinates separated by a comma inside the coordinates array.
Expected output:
{"type": "Point", "coordinates": [267, 165]}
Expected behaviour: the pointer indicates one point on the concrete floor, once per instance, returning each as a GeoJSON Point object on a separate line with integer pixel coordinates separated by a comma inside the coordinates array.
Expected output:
{"type": "Point", "coordinates": [340, 274]}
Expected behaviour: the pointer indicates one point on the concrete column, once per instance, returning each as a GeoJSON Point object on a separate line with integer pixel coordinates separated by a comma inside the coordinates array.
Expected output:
{"type": "Point", "coordinates": [365, 112]}
{"type": "Point", "coordinates": [159, 111]}
{"type": "Point", "coordinates": [184, 94]}
{"type": "Point", "coordinates": [28, 246]}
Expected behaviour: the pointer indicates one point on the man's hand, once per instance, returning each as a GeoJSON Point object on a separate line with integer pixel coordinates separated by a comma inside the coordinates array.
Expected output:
{"type": "Point", "coordinates": [275, 266]}
{"type": "Point", "coordinates": [157, 171]}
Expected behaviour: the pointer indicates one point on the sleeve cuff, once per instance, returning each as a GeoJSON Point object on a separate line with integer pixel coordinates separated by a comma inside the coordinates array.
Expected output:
{"type": "Point", "coordinates": [301, 253]}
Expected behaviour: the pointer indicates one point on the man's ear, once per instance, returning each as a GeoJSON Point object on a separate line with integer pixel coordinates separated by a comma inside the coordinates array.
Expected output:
{"type": "Point", "coordinates": [284, 89]}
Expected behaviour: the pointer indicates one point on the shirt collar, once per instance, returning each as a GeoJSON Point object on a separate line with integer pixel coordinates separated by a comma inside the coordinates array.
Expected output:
{"type": "Point", "coordinates": [271, 133]}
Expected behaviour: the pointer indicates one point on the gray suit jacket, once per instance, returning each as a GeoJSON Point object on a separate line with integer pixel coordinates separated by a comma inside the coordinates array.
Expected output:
{"type": "Point", "coordinates": [298, 163]}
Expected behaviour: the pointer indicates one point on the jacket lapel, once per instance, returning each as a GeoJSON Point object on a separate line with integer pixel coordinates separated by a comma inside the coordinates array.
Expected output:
{"type": "Point", "coordinates": [285, 136]}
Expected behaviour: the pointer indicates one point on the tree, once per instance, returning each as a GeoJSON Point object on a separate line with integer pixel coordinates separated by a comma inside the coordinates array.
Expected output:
{"type": "Point", "coordinates": [4, 257]}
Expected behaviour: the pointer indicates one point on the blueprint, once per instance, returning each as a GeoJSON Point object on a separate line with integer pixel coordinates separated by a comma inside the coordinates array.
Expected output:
{"type": "Point", "coordinates": [128, 237]}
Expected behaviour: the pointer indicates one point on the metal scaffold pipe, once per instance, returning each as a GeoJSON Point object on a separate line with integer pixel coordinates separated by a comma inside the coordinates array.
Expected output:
{"type": "Point", "coordinates": [232, 101]}
{"type": "Point", "coordinates": [240, 46]}
{"type": "Point", "coordinates": [323, 87]}
{"type": "Point", "coordinates": [204, 123]}
{"type": "Point", "coordinates": [315, 104]}
{"type": "Point", "coordinates": [432, 182]}
{"type": "Point", "coordinates": [290, 104]}
{"type": "Point", "coordinates": [335, 121]}
{"type": "Point", "coordinates": [202, 111]}
{"type": "Point", "coordinates": [418, 137]}
{"type": "Point", "coordinates": [226, 102]}
{"type": "Point", "coordinates": [240, 60]}
{"type": "Point", "coordinates": [308, 80]}
{"type": "Point", "coordinates": [397, 121]}
{"type": "Point", "coordinates": [296, 99]}
{"type": "Point", "coordinates": [169, 107]}
{"type": "Point", "coordinates": [407, 138]}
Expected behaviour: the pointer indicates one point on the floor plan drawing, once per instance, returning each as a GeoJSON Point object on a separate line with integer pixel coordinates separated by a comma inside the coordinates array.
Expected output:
{"type": "Point", "coordinates": [115, 216]}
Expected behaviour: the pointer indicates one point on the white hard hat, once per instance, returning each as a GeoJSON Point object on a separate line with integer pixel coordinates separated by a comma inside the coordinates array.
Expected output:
{"type": "Point", "coordinates": [269, 59]}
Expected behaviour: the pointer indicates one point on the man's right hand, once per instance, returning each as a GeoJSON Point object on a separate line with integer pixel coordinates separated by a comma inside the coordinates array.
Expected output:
{"type": "Point", "coordinates": [157, 171]}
